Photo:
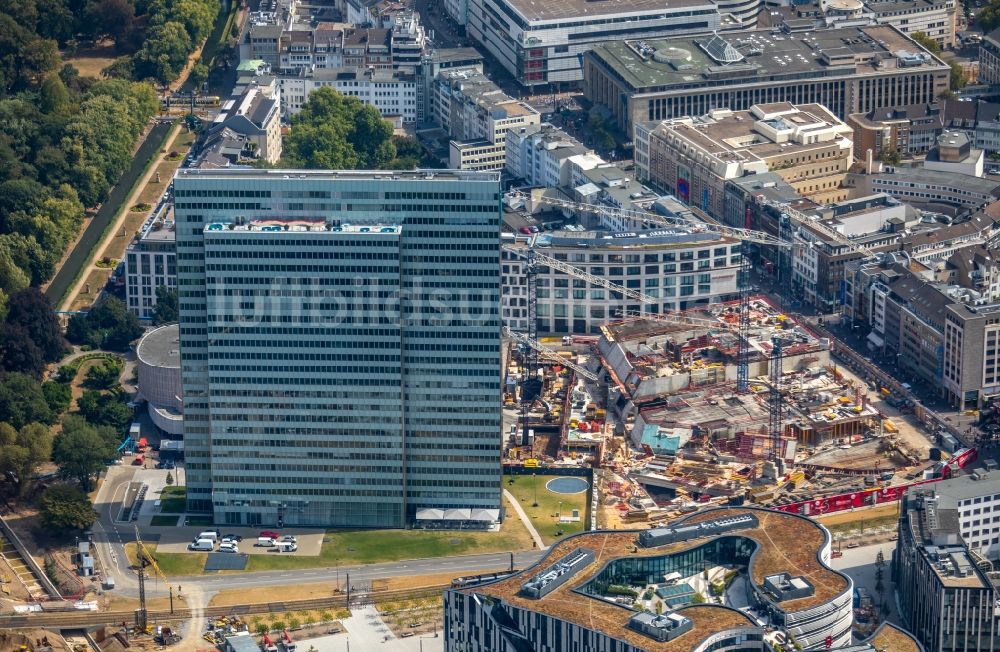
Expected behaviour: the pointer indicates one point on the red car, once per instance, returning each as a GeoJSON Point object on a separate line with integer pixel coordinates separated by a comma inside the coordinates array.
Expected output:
{"type": "Point", "coordinates": [270, 534]}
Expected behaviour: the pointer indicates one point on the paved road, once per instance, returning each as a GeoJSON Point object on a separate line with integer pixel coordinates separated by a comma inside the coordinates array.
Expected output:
{"type": "Point", "coordinates": [110, 538]}
{"type": "Point", "coordinates": [92, 234]}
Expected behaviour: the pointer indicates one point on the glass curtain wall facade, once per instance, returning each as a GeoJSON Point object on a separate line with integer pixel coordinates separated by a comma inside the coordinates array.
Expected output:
{"type": "Point", "coordinates": [340, 344]}
{"type": "Point", "coordinates": [641, 571]}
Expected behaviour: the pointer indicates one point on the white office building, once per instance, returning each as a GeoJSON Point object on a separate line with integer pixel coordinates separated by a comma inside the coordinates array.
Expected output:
{"type": "Point", "coordinates": [393, 94]}
{"type": "Point", "coordinates": [540, 155]}
{"type": "Point", "coordinates": [543, 42]}
{"type": "Point", "coordinates": [477, 116]}
{"type": "Point", "coordinates": [340, 345]}
{"type": "Point", "coordinates": [683, 269]}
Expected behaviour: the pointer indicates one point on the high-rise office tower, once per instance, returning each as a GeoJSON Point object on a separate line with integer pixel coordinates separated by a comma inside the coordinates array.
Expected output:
{"type": "Point", "coordinates": [340, 344]}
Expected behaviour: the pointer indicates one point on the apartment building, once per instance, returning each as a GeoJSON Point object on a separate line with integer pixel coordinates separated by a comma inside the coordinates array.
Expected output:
{"type": "Point", "coordinates": [847, 70]}
{"type": "Point", "coordinates": [477, 115]}
{"type": "Point", "coordinates": [910, 130]}
{"type": "Point", "coordinates": [540, 155]}
{"type": "Point", "coordinates": [989, 58]}
{"type": "Point", "coordinates": [935, 18]}
{"type": "Point", "coordinates": [150, 262]}
{"type": "Point", "coordinates": [257, 117]}
{"type": "Point", "coordinates": [940, 324]}
{"type": "Point", "coordinates": [819, 264]}
{"type": "Point", "coordinates": [340, 345]}
{"type": "Point", "coordinates": [393, 94]}
{"type": "Point", "coordinates": [541, 43]}
{"type": "Point", "coordinates": [292, 44]}
{"type": "Point", "coordinates": [683, 269]}
{"type": "Point", "coordinates": [945, 531]}
{"type": "Point", "coordinates": [693, 157]}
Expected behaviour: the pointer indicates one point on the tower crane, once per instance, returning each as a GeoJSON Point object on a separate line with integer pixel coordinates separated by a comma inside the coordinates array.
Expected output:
{"type": "Point", "coordinates": [531, 387]}
{"type": "Point", "coordinates": [144, 558]}
{"type": "Point", "coordinates": [551, 354]}
{"type": "Point", "coordinates": [745, 236]}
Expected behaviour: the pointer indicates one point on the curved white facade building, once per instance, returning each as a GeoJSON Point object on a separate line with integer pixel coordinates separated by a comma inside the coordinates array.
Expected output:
{"type": "Point", "coordinates": [159, 364]}
{"type": "Point", "coordinates": [571, 599]}
{"type": "Point", "coordinates": [744, 12]}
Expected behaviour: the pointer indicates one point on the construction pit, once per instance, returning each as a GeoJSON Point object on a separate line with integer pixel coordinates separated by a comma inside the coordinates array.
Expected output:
{"type": "Point", "coordinates": [561, 421]}
{"type": "Point", "coordinates": [674, 434]}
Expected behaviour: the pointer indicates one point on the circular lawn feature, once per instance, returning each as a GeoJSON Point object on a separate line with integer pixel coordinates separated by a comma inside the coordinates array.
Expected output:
{"type": "Point", "coordinates": [567, 485]}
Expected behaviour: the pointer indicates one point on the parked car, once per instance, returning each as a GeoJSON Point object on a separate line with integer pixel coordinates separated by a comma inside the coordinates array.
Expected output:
{"type": "Point", "coordinates": [270, 534]}
{"type": "Point", "coordinates": [202, 544]}
{"type": "Point", "coordinates": [231, 538]}
{"type": "Point", "coordinates": [288, 538]}
{"type": "Point", "coordinates": [227, 546]}
{"type": "Point", "coordinates": [286, 546]}
{"type": "Point", "coordinates": [265, 542]}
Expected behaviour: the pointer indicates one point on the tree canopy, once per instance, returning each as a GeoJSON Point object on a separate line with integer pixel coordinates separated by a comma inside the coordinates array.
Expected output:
{"type": "Point", "coordinates": [22, 401]}
{"type": "Point", "coordinates": [61, 149]}
{"type": "Point", "coordinates": [336, 131]}
{"type": "Point", "coordinates": [22, 451]}
{"type": "Point", "coordinates": [81, 450]}
{"type": "Point", "coordinates": [109, 325]}
{"type": "Point", "coordinates": [165, 310]}
{"type": "Point", "coordinates": [65, 507]}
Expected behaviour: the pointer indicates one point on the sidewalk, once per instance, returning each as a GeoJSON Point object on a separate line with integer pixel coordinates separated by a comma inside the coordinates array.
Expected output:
{"type": "Point", "coordinates": [527, 521]}
{"type": "Point", "coordinates": [366, 631]}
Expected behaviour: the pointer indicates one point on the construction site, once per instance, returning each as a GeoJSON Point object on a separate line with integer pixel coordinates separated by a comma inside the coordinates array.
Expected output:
{"type": "Point", "coordinates": [655, 406]}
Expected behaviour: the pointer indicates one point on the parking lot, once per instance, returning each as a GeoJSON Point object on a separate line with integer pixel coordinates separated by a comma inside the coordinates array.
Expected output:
{"type": "Point", "coordinates": [308, 541]}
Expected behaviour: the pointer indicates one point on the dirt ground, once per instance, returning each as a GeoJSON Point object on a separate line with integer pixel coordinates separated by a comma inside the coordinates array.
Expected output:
{"type": "Point", "coordinates": [123, 603]}
{"type": "Point", "coordinates": [859, 456]}
{"type": "Point", "coordinates": [32, 639]}
{"type": "Point", "coordinates": [312, 591]}
{"type": "Point", "coordinates": [264, 594]}
{"type": "Point", "coordinates": [91, 61]}
{"type": "Point", "coordinates": [880, 511]}
{"type": "Point", "coordinates": [911, 432]}
{"type": "Point", "coordinates": [423, 581]}
{"type": "Point", "coordinates": [10, 587]}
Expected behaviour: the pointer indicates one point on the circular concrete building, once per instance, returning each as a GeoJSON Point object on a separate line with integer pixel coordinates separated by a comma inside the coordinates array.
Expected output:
{"type": "Point", "coordinates": [159, 364]}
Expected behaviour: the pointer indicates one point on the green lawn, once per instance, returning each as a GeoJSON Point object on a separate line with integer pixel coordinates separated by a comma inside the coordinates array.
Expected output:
{"type": "Point", "coordinates": [164, 521]}
{"type": "Point", "coordinates": [172, 563]}
{"type": "Point", "coordinates": [351, 548]}
{"type": "Point", "coordinates": [173, 500]}
{"type": "Point", "coordinates": [528, 488]}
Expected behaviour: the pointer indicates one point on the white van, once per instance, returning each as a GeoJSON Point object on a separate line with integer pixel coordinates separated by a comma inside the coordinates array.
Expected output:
{"type": "Point", "coordinates": [211, 535]}
{"type": "Point", "coordinates": [265, 542]}
{"type": "Point", "coordinates": [287, 546]}
{"type": "Point", "coordinates": [202, 544]}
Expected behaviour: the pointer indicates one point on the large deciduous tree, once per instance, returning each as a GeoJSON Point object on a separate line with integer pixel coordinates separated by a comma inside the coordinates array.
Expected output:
{"type": "Point", "coordinates": [80, 451]}
{"type": "Point", "coordinates": [65, 507]}
{"type": "Point", "coordinates": [338, 132]}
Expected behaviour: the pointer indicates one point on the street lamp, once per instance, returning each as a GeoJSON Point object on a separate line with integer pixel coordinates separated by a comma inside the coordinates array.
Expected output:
{"type": "Point", "coordinates": [534, 478]}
